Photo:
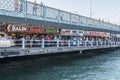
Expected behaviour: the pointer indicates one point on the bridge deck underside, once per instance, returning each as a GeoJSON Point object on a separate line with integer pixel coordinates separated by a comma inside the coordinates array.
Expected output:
{"type": "Point", "coordinates": [9, 19]}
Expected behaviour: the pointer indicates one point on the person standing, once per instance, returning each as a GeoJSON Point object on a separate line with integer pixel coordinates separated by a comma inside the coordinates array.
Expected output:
{"type": "Point", "coordinates": [34, 8]}
{"type": "Point", "coordinates": [16, 4]}
{"type": "Point", "coordinates": [20, 5]}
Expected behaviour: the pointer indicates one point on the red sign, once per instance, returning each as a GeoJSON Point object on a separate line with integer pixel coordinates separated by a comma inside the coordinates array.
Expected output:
{"type": "Point", "coordinates": [99, 34]}
{"type": "Point", "coordinates": [36, 30]}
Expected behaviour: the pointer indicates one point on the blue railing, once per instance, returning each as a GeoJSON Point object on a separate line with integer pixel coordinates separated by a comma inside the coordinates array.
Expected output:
{"type": "Point", "coordinates": [25, 9]}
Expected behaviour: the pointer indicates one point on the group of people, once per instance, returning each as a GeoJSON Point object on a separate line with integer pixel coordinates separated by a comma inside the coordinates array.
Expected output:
{"type": "Point", "coordinates": [50, 41]}
{"type": "Point", "coordinates": [18, 5]}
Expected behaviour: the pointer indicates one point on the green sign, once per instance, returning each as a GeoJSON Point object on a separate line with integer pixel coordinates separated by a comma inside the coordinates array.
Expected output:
{"type": "Point", "coordinates": [50, 30]}
{"type": "Point", "coordinates": [80, 32]}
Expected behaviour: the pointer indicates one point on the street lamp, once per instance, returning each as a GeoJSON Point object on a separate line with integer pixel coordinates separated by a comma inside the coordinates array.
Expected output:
{"type": "Point", "coordinates": [90, 8]}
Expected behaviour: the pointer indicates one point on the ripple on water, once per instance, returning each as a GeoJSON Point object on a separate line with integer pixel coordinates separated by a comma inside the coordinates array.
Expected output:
{"type": "Point", "coordinates": [101, 67]}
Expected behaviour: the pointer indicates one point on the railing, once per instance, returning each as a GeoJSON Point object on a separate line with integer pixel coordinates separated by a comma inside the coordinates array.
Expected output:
{"type": "Point", "coordinates": [25, 9]}
{"type": "Point", "coordinates": [23, 43]}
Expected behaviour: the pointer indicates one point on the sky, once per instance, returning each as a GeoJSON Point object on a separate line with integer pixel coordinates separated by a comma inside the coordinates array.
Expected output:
{"type": "Point", "coordinates": [109, 10]}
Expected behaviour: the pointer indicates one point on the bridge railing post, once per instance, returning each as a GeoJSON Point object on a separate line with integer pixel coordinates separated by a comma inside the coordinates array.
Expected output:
{"type": "Point", "coordinates": [97, 43]}
{"type": "Point", "coordinates": [69, 43]}
{"type": "Point", "coordinates": [25, 8]}
{"type": "Point", "coordinates": [43, 43]}
{"type": "Point", "coordinates": [78, 43]}
{"type": "Point", "coordinates": [85, 43]}
{"type": "Point", "coordinates": [58, 43]}
{"type": "Point", "coordinates": [23, 43]}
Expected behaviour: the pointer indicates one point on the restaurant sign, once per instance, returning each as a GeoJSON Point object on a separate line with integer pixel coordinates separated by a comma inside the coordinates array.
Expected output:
{"type": "Point", "coordinates": [80, 32]}
{"type": "Point", "coordinates": [51, 30]}
{"type": "Point", "coordinates": [36, 30]}
{"type": "Point", "coordinates": [16, 28]}
{"type": "Point", "coordinates": [65, 32]}
{"type": "Point", "coordinates": [95, 33]}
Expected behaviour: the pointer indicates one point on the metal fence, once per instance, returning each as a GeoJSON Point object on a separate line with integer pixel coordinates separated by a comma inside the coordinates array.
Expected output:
{"type": "Point", "coordinates": [23, 43]}
{"type": "Point", "coordinates": [52, 14]}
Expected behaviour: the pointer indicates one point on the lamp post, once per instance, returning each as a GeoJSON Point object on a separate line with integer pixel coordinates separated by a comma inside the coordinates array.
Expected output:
{"type": "Point", "coordinates": [90, 8]}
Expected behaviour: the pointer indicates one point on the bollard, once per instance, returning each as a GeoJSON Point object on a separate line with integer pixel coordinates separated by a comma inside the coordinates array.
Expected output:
{"type": "Point", "coordinates": [43, 43]}
{"type": "Point", "coordinates": [23, 43]}
{"type": "Point", "coordinates": [57, 42]}
{"type": "Point", "coordinates": [68, 43]}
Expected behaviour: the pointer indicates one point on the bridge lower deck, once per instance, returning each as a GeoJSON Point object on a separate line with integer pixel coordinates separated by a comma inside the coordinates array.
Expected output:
{"type": "Point", "coordinates": [16, 52]}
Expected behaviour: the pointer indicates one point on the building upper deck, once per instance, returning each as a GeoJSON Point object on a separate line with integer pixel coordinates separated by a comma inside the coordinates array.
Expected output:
{"type": "Point", "coordinates": [32, 11]}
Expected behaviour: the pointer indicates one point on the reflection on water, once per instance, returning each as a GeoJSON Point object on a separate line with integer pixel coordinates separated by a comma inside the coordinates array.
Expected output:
{"type": "Point", "coordinates": [101, 67]}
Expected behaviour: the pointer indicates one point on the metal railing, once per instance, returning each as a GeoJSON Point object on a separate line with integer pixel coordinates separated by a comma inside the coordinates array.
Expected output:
{"type": "Point", "coordinates": [23, 43]}
{"type": "Point", "coordinates": [42, 12]}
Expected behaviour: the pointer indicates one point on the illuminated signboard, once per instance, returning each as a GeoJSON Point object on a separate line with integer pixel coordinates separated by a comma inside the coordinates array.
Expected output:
{"type": "Point", "coordinates": [36, 30]}
{"type": "Point", "coordinates": [16, 28]}
{"type": "Point", "coordinates": [51, 30]}
{"type": "Point", "coordinates": [65, 32]}
{"type": "Point", "coordinates": [94, 33]}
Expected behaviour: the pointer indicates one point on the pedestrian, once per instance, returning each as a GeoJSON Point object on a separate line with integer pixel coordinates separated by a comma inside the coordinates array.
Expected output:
{"type": "Point", "coordinates": [16, 4]}
{"type": "Point", "coordinates": [34, 8]}
{"type": "Point", "coordinates": [31, 42]}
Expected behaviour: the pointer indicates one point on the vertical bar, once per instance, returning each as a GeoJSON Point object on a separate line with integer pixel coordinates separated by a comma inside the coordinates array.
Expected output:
{"type": "Point", "coordinates": [43, 43]}
{"type": "Point", "coordinates": [25, 8]}
{"type": "Point", "coordinates": [97, 43]}
{"type": "Point", "coordinates": [23, 43]}
{"type": "Point", "coordinates": [70, 18]}
{"type": "Point", "coordinates": [44, 12]}
{"type": "Point", "coordinates": [78, 43]}
{"type": "Point", "coordinates": [68, 43]}
{"type": "Point", "coordinates": [57, 42]}
{"type": "Point", "coordinates": [59, 19]}
{"type": "Point", "coordinates": [85, 43]}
